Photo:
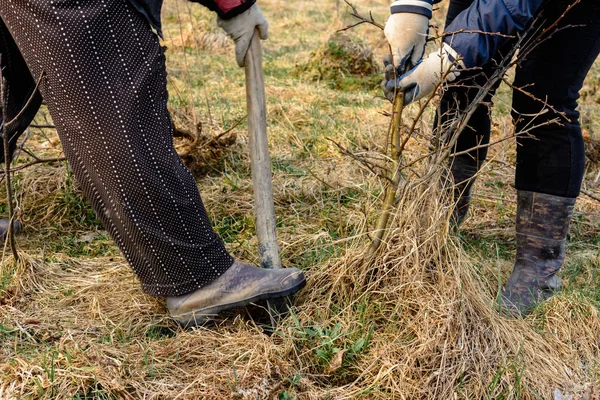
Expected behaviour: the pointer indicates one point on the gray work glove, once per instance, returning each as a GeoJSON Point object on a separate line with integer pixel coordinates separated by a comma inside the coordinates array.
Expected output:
{"type": "Point", "coordinates": [444, 64]}
{"type": "Point", "coordinates": [241, 28]}
{"type": "Point", "coordinates": [407, 34]}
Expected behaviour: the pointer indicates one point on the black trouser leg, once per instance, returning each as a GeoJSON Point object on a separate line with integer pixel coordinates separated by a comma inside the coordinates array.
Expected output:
{"type": "Point", "coordinates": [551, 159]}
{"type": "Point", "coordinates": [105, 88]}
{"type": "Point", "coordinates": [18, 88]}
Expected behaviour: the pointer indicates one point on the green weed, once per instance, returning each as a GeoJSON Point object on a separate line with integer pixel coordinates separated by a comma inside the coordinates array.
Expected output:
{"type": "Point", "coordinates": [335, 349]}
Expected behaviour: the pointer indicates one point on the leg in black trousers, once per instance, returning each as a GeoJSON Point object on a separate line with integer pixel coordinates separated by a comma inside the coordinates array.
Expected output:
{"type": "Point", "coordinates": [550, 154]}
{"type": "Point", "coordinates": [551, 159]}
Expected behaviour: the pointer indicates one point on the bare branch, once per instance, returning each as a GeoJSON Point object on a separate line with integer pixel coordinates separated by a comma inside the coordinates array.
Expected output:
{"type": "Point", "coordinates": [590, 194]}
{"type": "Point", "coordinates": [551, 27]}
{"type": "Point", "coordinates": [42, 126]}
{"type": "Point", "coordinates": [362, 20]}
{"type": "Point", "coordinates": [445, 34]}
{"type": "Point", "coordinates": [370, 166]}
{"type": "Point", "coordinates": [34, 162]}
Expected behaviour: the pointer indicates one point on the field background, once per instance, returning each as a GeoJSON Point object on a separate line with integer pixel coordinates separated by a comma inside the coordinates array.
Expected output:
{"type": "Point", "coordinates": [74, 323]}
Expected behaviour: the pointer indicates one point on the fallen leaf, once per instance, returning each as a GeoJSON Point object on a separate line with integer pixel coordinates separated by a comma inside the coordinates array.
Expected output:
{"type": "Point", "coordinates": [336, 362]}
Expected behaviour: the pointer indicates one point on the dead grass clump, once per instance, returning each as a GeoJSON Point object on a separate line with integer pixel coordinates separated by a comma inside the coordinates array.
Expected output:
{"type": "Point", "coordinates": [343, 55]}
{"type": "Point", "coordinates": [49, 196]}
{"type": "Point", "coordinates": [16, 277]}
{"type": "Point", "coordinates": [123, 346]}
{"type": "Point", "coordinates": [436, 331]}
{"type": "Point", "coordinates": [415, 321]}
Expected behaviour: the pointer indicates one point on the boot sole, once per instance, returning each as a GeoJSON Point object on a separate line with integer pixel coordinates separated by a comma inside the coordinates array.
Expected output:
{"type": "Point", "coordinates": [201, 316]}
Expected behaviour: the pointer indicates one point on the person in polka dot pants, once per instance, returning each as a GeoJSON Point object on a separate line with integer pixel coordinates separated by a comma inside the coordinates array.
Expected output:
{"type": "Point", "coordinates": [104, 82]}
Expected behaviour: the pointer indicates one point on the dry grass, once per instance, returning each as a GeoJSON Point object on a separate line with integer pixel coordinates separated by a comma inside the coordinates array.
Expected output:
{"type": "Point", "coordinates": [75, 325]}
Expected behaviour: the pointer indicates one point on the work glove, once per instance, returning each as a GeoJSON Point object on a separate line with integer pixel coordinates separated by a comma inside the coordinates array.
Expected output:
{"type": "Point", "coordinates": [241, 28]}
{"type": "Point", "coordinates": [406, 33]}
{"type": "Point", "coordinates": [422, 80]}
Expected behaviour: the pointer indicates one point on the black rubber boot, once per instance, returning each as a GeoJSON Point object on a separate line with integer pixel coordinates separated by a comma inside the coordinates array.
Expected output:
{"type": "Point", "coordinates": [464, 171]}
{"type": "Point", "coordinates": [542, 228]}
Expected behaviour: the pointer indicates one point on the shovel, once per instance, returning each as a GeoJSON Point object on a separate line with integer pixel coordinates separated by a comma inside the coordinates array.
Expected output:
{"type": "Point", "coordinates": [260, 162]}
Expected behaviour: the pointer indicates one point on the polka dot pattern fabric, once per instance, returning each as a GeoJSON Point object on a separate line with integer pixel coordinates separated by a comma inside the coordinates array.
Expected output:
{"type": "Point", "coordinates": [105, 87]}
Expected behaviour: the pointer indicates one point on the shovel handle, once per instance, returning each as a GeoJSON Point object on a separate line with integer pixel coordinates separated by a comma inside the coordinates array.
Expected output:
{"type": "Point", "coordinates": [262, 182]}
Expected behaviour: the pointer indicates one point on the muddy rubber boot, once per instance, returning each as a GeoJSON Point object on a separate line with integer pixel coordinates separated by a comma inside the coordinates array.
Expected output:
{"type": "Point", "coordinates": [464, 171]}
{"type": "Point", "coordinates": [4, 227]}
{"type": "Point", "coordinates": [239, 286]}
{"type": "Point", "coordinates": [542, 227]}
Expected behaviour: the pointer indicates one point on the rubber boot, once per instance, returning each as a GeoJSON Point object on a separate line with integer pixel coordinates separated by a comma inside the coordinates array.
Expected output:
{"type": "Point", "coordinates": [4, 227]}
{"type": "Point", "coordinates": [464, 171]}
{"type": "Point", "coordinates": [239, 286]}
{"type": "Point", "coordinates": [542, 228]}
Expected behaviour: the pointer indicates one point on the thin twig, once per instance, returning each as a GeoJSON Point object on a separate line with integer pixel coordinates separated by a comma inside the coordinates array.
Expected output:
{"type": "Point", "coordinates": [590, 194]}
{"type": "Point", "coordinates": [475, 31]}
{"type": "Point", "coordinates": [42, 126]}
{"type": "Point", "coordinates": [370, 166]}
{"type": "Point", "coordinates": [548, 29]}
{"type": "Point", "coordinates": [34, 162]}
{"type": "Point", "coordinates": [362, 20]}
{"type": "Point", "coordinates": [3, 129]}
{"type": "Point", "coordinates": [534, 98]}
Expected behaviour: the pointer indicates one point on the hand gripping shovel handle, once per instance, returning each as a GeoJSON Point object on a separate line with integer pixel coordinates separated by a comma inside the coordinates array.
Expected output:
{"type": "Point", "coordinates": [264, 209]}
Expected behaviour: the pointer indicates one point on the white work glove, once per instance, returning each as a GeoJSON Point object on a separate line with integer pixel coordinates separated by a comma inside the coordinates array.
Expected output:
{"type": "Point", "coordinates": [422, 80]}
{"type": "Point", "coordinates": [407, 34]}
{"type": "Point", "coordinates": [241, 28]}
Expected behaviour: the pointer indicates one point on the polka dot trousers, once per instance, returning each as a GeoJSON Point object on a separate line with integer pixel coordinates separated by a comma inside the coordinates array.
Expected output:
{"type": "Point", "coordinates": [105, 87]}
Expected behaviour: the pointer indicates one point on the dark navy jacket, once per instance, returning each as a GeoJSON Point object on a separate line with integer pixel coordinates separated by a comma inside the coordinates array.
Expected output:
{"type": "Point", "coordinates": [224, 8]}
{"type": "Point", "coordinates": [493, 16]}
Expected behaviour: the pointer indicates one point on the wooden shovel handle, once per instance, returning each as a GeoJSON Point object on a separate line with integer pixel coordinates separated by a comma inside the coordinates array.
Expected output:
{"type": "Point", "coordinates": [264, 209]}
